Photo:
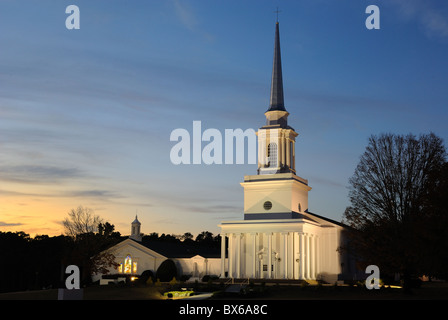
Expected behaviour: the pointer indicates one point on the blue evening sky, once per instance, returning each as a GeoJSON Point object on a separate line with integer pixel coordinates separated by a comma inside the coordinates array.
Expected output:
{"type": "Point", "coordinates": [86, 115]}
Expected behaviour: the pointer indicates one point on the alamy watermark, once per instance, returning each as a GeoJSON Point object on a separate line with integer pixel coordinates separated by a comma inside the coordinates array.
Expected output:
{"type": "Point", "coordinates": [72, 22]}
{"type": "Point", "coordinates": [233, 146]}
{"type": "Point", "coordinates": [373, 280]}
{"type": "Point", "coordinates": [73, 280]}
{"type": "Point", "coordinates": [230, 147]}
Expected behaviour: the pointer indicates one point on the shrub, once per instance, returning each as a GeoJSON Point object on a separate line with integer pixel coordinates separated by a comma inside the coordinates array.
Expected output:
{"type": "Point", "coordinates": [167, 271]}
{"type": "Point", "coordinates": [146, 276]}
{"type": "Point", "coordinates": [207, 278]}
{"type": "Point", "coordinates": [185, 277]}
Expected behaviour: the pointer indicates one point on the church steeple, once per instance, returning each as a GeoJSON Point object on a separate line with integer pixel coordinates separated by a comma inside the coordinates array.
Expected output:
{"type": "Point", "coordinates": [276, 101]}
{"type": "Point", "coordinates": [277, 115]}
{"type": "Point", "coordinates": [276, 140]}
{"type": "Point", "coordinates": [135, 230]}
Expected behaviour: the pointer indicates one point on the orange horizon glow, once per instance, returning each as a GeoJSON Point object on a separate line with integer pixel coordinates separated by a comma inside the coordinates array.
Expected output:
{"type": "Point", "coordinates": [40, 216]}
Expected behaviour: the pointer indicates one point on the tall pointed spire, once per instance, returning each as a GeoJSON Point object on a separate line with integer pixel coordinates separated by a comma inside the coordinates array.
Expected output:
{"type": "Point", "coordinates": [276, 101]}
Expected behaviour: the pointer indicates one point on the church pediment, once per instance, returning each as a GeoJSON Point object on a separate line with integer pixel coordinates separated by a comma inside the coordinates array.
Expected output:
{"type": "Point", "coordinates": [128, 245]}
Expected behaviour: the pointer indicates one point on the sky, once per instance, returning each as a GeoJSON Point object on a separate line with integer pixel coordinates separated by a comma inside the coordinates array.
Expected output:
{"type": "Point", "coordinates": [86, 114]}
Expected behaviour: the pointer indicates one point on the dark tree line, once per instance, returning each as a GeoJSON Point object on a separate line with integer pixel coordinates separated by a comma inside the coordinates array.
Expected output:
{"type": "Point", "coordinates": [30, 263]}
{"type": "Point", "coordinates": [204, 238]}
{"type": "Point", "coordinates": [35, 263]}
{"type": "Point", "coordinates": [399, 203]}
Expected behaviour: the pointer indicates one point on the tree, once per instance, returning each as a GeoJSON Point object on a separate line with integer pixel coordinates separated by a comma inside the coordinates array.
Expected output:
{"type": "Point", "coordinates": [90, 239]}
{"type": "Point", "coordinates": [205, 237]}
{"type": "Point", "coordinates": [435, 257]}
{"type": "Point", "coordinates": [389, 196]}
{"type": "Point", "coordinates": [81, 221]}
{"type": "Point", "coordinates": [187, 237]}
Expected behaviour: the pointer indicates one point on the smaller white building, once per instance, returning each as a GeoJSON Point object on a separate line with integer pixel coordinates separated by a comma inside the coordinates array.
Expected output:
{"type": "Point", "coordinates": [135, 256]}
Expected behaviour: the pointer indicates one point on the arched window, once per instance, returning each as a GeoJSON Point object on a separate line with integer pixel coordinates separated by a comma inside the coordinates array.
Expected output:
{"type": "Point", "coordinates": [272, 155]}
{"type": "Point", "coordinates": [127, 265]}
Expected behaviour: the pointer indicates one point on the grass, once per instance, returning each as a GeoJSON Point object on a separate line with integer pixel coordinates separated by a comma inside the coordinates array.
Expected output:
{"type": "Point", "coordinates": [428, 291]}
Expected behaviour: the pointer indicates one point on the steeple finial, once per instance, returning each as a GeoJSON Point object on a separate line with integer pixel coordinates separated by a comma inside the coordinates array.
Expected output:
{"type": "Point", "coordinates": [276, 101]}
{"type": "Point", "coordinates": [277, 12]}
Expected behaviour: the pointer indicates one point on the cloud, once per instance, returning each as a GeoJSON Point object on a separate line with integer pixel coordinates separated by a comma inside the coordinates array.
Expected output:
{"type": "Point", "coordinates": [92, 194]}
{"type": "Point", "coordinates": [6, 224]}
{"type": "Point", "coordinates": [186, 16]}
{"type": "Point", "coordinates": [433, 21]}
{"type": "Point", "coordinates": [37, 174]}
{"type": "Point", "coordinates": [212, 209]}
{"type": "Point", "coordinates": [104, 195]}
{"type": "Point", "coordinates": [327, 182]}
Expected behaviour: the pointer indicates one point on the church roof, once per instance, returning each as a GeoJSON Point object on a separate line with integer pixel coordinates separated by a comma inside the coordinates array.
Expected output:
{"type": "Point", "coordinates": [136, 221]}
{"type": "Point", "coordinates": [327, 219]}
{"type": "Point", "coordinates": [276, 100]}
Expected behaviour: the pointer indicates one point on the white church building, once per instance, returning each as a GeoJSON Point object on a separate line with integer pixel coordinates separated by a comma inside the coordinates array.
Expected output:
{"type": "Point", "coordinates": [134, 256]}
{"type": "Point", "coordinates": [278, 238]}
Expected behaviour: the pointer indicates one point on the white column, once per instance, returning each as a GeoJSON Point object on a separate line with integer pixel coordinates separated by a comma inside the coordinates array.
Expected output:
{"type": "Point", "coordinates": [313, 257]}
{"type": "Point", "coordinates": [231, 253]}
{"type": "Point", "coordinates": [223, 255]}
{"type": "Point", "coordinates": [269, 255]}
{"type": "Point", "coordinates": [293, 164]}
{"type": "Point", "coordinates": [288, 156]}
{"type": "Point", "coordinates": [238, 257]}
{"type": "Point", "coordinates": [301, 257]}
{"type": "Point", "coordinates": [285, 255]}
{"type": "Point", "coordinates": [261, 148]}
{"type": "Point", "coordinates": [283, 144]}
{"type": "Point", "coordinates": [307, 256]}
{"type": "Point", "coordinates": [260, 270]}
{"type": "Point", "coordinates": [254, 255]}
{"type": "Point", "coordinates": [317, 270]}
{"type": "Point", "coordinates": [291, 255]}
{"type": "Point", "coordinates": [295, 256]}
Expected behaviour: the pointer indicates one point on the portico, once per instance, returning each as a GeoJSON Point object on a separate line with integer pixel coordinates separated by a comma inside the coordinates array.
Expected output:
{"type": "Point", "coordinates": [291, 248]}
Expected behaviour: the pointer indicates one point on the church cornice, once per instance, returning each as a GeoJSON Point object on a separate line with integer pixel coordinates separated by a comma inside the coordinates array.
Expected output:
{"type": "Point", "coordinates": [280, 177]}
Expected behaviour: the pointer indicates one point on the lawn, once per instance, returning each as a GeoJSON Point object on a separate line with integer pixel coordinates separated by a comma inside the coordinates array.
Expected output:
{"type": "Point", "coordinates": [428, 291]}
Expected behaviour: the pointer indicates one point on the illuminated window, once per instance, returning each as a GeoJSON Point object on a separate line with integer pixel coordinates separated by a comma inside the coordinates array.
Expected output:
{"type": "Point", "coordinates": [134, 267]}
{"type": "Point", "coordinates": [128, 265]}
{"type": "Point", "coordinates": [120, 268]}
